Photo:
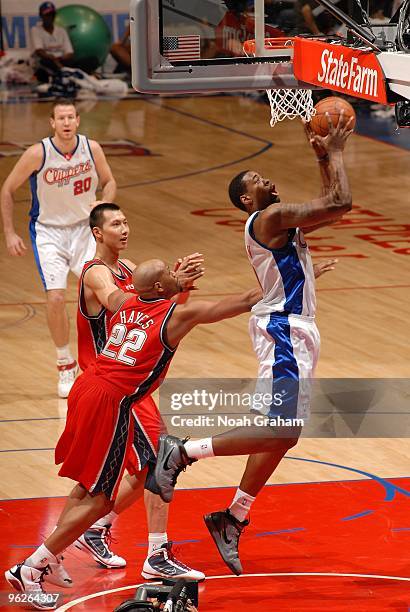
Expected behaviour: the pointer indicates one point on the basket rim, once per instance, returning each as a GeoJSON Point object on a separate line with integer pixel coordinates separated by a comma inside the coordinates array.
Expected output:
{"type": "Point", "coordinates": [279, 42]}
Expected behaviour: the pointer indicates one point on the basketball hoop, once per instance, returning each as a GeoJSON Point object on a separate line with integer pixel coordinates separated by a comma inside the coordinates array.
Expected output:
{"type": "Point", "coordinates": [284, 103]}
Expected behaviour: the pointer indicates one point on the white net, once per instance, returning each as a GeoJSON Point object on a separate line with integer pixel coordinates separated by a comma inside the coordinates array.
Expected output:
{"type": "Point", "coordinates": [290, 103]}
{"type": "Point", "coordinates": [285, 103]}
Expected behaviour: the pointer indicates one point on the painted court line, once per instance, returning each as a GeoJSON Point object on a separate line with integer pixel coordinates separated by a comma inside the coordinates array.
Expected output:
{"type": "Point", "coordinates": [80, 600]}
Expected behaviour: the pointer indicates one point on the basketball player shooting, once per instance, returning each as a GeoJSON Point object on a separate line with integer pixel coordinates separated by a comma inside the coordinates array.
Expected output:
{"type": "Point", "coordinates": [283, 331]}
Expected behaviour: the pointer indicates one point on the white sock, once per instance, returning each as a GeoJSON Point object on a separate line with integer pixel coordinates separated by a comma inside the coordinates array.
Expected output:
{"type": "Point", "coordinates": [241, 504]}
{"type": "Point", "coordinates": [155, 541]}
{"type": "Point", "coordinates": [199, 449]}
{"type": "Point", "coordinates": [64, 356]}
{"type": "Point", "coordinates": [40, 558]}
{"type": "Point", "coordinates": [108, 519]}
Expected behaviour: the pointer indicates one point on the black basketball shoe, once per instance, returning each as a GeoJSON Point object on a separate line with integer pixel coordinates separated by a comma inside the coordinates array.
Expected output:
{"type": "Point", "coordinates": [225, 530]}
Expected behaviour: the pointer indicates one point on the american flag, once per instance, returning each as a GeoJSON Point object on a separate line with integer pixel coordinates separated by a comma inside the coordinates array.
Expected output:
{"type": "Point", "coordinates": [182, 47]}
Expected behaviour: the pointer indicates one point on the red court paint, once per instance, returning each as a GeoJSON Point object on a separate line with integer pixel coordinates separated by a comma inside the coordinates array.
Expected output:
{"type": "Point", "coordinates": [333, 527]}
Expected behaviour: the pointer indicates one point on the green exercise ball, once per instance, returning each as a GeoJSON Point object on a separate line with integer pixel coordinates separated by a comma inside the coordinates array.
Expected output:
{"type": "Point", "coordinates": [89, 35]}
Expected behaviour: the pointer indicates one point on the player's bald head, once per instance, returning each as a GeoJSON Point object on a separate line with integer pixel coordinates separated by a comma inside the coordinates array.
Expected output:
{"type": "Point", "coordinates": [147, 274]}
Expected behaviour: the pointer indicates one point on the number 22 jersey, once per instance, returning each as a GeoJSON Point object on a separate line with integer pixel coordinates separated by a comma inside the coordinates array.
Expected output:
{"type": "Point", "coordinates": [137, 356]}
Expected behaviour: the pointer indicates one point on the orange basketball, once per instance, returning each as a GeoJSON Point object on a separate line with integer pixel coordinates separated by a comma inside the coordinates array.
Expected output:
{"type": "Point", "coordinates": [332, 105]}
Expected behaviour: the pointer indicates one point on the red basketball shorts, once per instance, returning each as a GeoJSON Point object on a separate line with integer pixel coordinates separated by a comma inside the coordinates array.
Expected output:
{"type": "Point", "coordinates": [148, 425]}
{"type": "Point", "coordinates": [104, 435]}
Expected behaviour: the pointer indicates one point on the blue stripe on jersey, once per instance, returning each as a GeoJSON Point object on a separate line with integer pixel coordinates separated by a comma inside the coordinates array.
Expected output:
{"type": "Point", "coordinates": [285, 371]}
{"type": "Point", "coordinates": [89, 148]}
{"type": "Point", "coordinates": [293, 277]}
{"type": "Point", "coordinates": [35, 204]}
{"type": "Point", "coordinates": [33, 236]}
{"type": "Point", "coordinates": [290, 269]}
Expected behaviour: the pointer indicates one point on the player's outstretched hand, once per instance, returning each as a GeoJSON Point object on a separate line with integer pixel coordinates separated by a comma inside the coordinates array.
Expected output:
{"type": "Point", "coordinates": [324, 266]}
{"type": "Point", "coordinates": [335, 139]}
{"type": "Point", "coordinates": [188, 269]}
{"type": "Point", "coordinates": [194, 259]}
{"type": "Point", "coordinates": [317, 146]}
{"type": "Point", "coordinates": [15, 245]}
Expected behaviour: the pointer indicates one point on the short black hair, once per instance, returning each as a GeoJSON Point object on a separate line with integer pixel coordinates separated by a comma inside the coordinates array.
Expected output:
{"type": "Point", "coordinates": [97, 213]}
{"type": "Point", "coordinates": [236, 189]}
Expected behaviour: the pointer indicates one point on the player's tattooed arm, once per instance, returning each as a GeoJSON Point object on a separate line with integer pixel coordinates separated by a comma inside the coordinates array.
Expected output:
{"type": "Point", "coordinates": [328, 150]}
{"type": "Point", "coordinates": [272, 223]}
{"type": "Point", "coordinates": [333, 172]}
{"type": "Point", "coordinates": [314, 228]}
{"type": "Point", "coordinates": [322, 157]}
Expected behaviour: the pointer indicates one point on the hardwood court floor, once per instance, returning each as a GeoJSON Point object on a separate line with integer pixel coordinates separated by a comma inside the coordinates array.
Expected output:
{"type": "Point", "coordinates": [173, 159]}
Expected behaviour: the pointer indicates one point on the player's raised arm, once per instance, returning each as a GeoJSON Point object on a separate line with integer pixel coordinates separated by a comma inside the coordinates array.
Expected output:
{"type": "Point", "coordinates": [100, 281]}
{"type": "Point", "coordinates": [184, 318]}
{"type": "Point", "coordinates": [117, 298]}
{"type": "Point", "coordinates": [189, 269]}
{"type": "Point", "coordinates": [337, 201]}
{"type": "Point", "coordinates": [108, 183]}
{"type": "Point", "coordinates": [29, 162]}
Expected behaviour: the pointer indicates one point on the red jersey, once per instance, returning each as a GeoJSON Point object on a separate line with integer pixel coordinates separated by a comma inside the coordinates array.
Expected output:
{"type": "Point", "coordinates": [92, 331]}
{"type": "Point", "coordinates": [236, 28]}
{"type": "Point", "coordinates": [137, 356]}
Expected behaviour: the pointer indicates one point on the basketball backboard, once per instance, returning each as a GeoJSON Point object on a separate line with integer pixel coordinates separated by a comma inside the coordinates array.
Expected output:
{"type": "Point", "coordinates": [185, 46]}
{"type": "Point", "coordinates": [193, 46]}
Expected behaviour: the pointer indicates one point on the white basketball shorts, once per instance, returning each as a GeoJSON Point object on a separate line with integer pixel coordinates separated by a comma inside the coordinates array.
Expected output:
{"type": "Point", "coordinates": [287, 348]}
{"type": "Point", "coordinates": [57, 250]}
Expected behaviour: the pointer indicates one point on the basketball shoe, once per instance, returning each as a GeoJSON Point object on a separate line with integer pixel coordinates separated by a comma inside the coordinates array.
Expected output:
{"type": "Point", "coordinates": [172, 460]}
{"type": "Point", "coordinates": [29, 580]}
{"type": "Point", "coordinates": [66, 378]}
{"type": "Point", "coordinates": [58, 575]}
{"type": "Point", "coordinates": [162, 563]}
{"type": "Point", "coordinates": [96, 542]}
{"type": "Point", "coordinates": [225, 530]}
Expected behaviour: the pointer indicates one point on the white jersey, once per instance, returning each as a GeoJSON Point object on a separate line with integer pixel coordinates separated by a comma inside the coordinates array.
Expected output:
{"type": "Point", "coordinates": [286, 275]}
{"type": "Point", "coordinates": [64, 187]}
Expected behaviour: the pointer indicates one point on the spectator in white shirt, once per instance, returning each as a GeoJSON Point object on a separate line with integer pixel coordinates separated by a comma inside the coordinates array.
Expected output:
{"type": "Point", "coordinates": [51, 45]}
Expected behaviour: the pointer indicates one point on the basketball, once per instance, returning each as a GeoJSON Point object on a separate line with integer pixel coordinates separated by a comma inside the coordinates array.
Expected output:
{"type": "Point", "coordinates": [332, 105]}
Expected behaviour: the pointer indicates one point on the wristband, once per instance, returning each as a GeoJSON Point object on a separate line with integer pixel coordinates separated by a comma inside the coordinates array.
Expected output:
{"type": "Point", "coordinates": [325, 158]}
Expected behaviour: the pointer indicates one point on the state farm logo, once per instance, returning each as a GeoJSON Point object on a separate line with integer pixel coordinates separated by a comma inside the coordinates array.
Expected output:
{"type": "Point", "coordinates": [63, 176]}
{"type": "Point", "coordinates": [348, 74]}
